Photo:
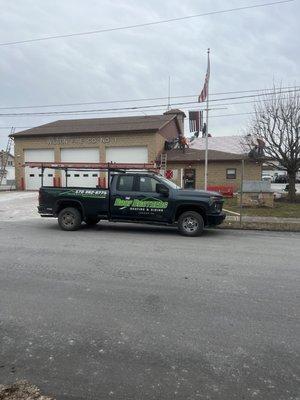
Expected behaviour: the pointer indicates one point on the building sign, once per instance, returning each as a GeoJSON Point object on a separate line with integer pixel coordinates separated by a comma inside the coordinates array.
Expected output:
{"type": "Point", "coordinates": [81, 140]}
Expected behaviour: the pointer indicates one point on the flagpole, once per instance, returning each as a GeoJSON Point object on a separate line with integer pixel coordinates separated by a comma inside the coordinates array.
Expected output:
{"type": "Point", "coordinates": [206, 136]}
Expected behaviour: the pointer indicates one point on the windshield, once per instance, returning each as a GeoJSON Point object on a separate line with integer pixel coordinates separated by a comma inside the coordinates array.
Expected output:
{"type": "Point", "coordinates": [169, 183]}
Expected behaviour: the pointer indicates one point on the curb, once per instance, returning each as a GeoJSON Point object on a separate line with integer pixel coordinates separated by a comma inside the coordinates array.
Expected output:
{"type": "Point", "coordinates": [262, 226]}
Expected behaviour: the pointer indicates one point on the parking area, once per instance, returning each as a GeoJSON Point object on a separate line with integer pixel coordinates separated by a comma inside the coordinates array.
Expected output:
{"type": "Point", "coordinates": [279, 187]}
{"type": "Point", "coordinates": [138, 312]}
{"type": "Point", "coordinates": [18, 206]}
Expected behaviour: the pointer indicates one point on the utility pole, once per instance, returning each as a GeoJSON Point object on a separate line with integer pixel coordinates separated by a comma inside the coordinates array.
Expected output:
{"type": "Point", "coordinates": [206, 136]}
{"type": "Point", "coordinates": [241, 189]}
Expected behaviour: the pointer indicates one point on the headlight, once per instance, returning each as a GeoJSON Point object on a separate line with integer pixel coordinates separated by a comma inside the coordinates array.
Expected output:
{"type": "Point", "coordinates": [218, 207]}
{"type": "Point", "coordinates": [216, 203]}
{"type": "Point", "coordinates": [212, 199]}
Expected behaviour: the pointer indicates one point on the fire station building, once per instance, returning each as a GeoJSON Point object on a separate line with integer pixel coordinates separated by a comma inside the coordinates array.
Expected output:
{"type": "Point", "coordinates": [136, 139]}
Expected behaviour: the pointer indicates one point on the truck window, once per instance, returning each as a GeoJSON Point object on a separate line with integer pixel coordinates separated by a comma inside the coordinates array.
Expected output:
{"type": "Point", "coordinates": [147, 184]}
{"type": "Point", "coordinates": [125, 183]}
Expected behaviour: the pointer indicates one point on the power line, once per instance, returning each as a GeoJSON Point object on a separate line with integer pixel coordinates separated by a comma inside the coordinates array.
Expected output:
{"type": "Point", "coordinates": [143, 99]}
{"type": "Point", "coordinates": [144, 107]}
{"type": "Point", "coordinates": [144, 24]}
{"type": "Point", "coordinates": [230, 115]}
{"type": "Point", "coordinates": [65, 126]}
{"type": "Point", "coordinates": [118, 123]}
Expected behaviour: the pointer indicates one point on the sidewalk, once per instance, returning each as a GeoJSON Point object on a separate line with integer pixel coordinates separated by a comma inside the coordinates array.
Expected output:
{"type": "Point", "coordinates": [262, 223]}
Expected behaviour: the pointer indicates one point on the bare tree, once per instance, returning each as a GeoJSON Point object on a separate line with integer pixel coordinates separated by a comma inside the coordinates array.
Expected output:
{"type": "Point", "coordinates": [276, 123]}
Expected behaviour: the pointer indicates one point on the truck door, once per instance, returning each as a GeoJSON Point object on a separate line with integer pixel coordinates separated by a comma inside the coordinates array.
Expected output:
{"type": "Point", "coordinates": [122, 196]}
{"type": "Point", "coordinates": [149, 204]}
{"type": "Point", "coordinates": [135, 197]}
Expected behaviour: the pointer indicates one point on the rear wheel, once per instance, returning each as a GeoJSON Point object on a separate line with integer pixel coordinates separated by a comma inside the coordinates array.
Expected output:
{"type": "Point", "coordinates": [69, 219]}
{"type": "Point", "coordinates": [92, 221]}
{"type": "Point", "coordinates": [190, 223]}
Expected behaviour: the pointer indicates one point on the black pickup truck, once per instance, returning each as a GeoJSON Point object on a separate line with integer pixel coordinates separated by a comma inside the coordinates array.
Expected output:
{"type": "Point", "coordinates": [133, 197]}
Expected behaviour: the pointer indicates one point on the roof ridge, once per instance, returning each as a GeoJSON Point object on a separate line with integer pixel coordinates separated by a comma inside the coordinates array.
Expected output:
{"type": "Point", "coordinates": [99, 125]}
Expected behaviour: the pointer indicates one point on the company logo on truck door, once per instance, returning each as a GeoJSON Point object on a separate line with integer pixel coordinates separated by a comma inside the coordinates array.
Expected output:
{"type": "Point", "coordinates": [149, 203]}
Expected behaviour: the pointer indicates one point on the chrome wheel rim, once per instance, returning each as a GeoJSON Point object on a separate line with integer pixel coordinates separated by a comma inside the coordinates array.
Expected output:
{"type": "Point", "coordinates": [190, 224]}
{"type": "Point", "coordinates": [68, 219]}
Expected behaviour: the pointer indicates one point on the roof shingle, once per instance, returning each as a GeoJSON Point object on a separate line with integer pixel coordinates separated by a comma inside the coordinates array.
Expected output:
{"type": "Point", "coordinates": [192, 155]}
{"type": "Point", "coordinates": [151, 123]}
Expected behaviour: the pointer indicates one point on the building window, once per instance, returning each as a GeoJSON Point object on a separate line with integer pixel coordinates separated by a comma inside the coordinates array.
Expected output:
{"type": "Point", "coordinates": [85, 175]}
{"type": "Point", "coordinates": [231, 173]}
{"type": "Point", "coordinates": [10, 163]}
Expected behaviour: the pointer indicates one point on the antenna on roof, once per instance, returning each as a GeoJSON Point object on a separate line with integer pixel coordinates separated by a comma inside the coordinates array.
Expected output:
{"type": "Point", "coordinates": [169, 94]}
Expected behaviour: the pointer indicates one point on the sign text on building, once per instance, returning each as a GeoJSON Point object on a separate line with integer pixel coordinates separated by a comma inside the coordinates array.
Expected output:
{"type": "Point", "coordinates": [82, 140]}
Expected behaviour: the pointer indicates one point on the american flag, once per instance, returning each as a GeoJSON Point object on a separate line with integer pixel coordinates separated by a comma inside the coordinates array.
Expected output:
{"type": "Point", "coordinates": [203, 95]}
{"type": "Point", "coordinates": [195, 121]}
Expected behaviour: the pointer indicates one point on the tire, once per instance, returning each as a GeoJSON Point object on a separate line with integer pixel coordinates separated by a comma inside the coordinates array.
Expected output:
{"type": "Point", "coordinates": [69, 219]}
{"type": "Point", "coordinates": [92, 221]}
{"type": "Point", "coordinates": [190, 223]}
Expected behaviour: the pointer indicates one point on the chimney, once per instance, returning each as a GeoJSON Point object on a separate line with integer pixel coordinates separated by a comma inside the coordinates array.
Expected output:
{"type": "Point", "coordinates": [180, 117]}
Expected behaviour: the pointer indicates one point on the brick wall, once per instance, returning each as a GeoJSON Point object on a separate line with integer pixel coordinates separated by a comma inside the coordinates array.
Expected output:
{"type": "Point", "coordinates": [217, 172]}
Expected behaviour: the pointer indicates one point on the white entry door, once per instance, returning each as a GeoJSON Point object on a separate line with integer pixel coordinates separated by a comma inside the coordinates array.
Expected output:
{"type": "Point", "coordinates": [134, 154]}
{"type": "Point", "coordinates": [33, 176]}
{"type": "Point", "coordinates": [80, 178]}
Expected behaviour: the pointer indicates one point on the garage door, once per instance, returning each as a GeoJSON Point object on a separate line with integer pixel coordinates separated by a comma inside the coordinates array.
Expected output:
{"type": "Point", "coordinates": [80, 178]}
{"type": "Point", "coordinates": [127, 154]}
{"type": "Point", "coordinates": [33, 176]}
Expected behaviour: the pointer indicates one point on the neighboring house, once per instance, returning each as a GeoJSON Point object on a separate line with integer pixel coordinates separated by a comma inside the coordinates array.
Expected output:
{"type": "Point", "coordinates": [9, 172]}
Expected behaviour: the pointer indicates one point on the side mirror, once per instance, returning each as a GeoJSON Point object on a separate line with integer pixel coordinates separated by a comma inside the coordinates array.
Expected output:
{"type": "Point", "coordinates": [162, 189]}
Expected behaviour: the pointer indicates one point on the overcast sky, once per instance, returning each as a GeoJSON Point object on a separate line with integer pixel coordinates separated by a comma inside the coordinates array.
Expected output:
{"type": "Point", "coordinates": [249, 50]}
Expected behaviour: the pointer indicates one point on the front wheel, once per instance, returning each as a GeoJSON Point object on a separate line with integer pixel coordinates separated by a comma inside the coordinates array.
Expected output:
{"type": "Point", "coordinates": [90, 221]}
{"type": "Point", "coordinates": [69, 219]}
{"type": "Point", "coordinates": [190, 223]}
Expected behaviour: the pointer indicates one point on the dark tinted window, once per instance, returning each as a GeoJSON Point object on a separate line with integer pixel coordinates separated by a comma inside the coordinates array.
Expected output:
{"type": "Point", "coordinates": [147, 184]}
{"type": "Point", "coordinates": [125, 183]}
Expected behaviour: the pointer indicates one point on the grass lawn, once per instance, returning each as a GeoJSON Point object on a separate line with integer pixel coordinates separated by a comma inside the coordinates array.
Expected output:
{"type": "Point", "coordinates": [281, 209]}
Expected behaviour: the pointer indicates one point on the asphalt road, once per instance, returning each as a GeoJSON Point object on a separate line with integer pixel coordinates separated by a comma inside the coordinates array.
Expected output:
{"type": "Point", "coordinates": [132, 312]}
